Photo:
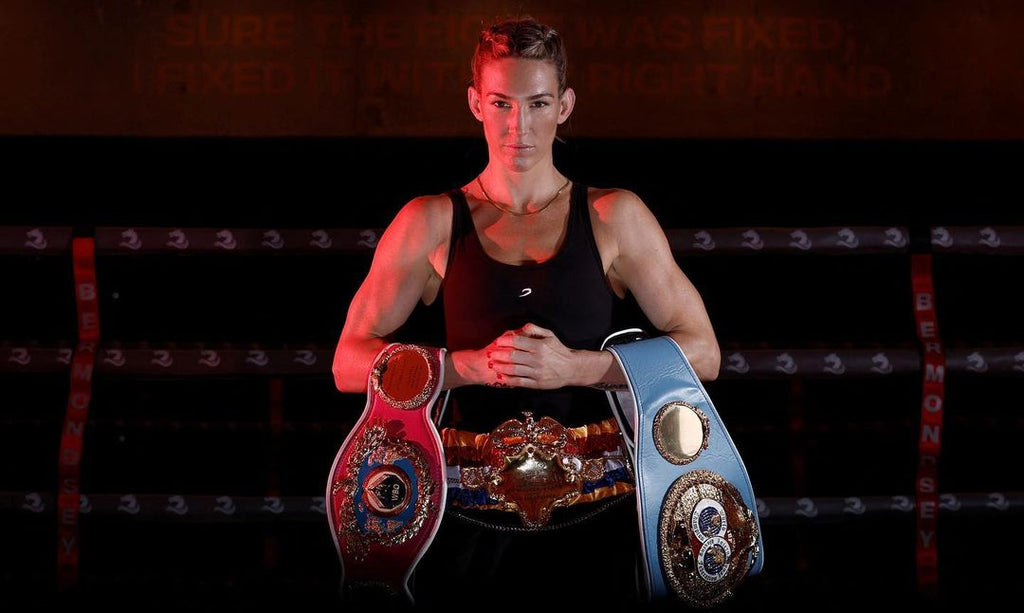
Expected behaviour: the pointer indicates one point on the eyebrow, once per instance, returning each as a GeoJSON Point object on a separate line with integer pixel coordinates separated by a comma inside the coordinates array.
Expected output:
{"type": "Point", "coordinates": [533, 97]}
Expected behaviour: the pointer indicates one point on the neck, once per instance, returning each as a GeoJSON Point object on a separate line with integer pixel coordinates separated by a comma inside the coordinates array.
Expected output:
{"type": "Point", "coordinates": [522, 191]}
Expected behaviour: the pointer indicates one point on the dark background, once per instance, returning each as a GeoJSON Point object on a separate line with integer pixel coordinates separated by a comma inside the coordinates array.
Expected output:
{"type": "Point", "coordinates": [799, 436]}
{"type": "Point", "coordinates": [341, 182]}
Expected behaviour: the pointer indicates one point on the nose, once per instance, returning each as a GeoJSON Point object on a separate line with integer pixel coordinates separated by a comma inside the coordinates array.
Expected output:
{"type": "Point", "coordinates": [518, 120]}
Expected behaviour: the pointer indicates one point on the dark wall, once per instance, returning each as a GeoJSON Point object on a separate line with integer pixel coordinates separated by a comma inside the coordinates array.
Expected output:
{"type": "Point", "coordinates": [348, 183]}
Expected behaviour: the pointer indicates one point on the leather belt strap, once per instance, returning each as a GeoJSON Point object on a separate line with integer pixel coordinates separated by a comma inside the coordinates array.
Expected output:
{"type": "Point", "coordinates": [386, 489]}
{"type": "Point", "coordinates": [698, 515]}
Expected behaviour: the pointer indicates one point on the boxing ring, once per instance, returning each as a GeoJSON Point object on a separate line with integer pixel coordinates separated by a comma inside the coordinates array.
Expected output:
{"type": "Point", "coordinates": [169, 423]}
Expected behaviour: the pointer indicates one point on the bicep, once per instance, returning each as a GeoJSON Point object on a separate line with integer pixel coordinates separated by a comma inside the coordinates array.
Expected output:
{"type": "Point", "coordinates": [646, 266]}
{"type": "Point", "coordinates": [396, 280]}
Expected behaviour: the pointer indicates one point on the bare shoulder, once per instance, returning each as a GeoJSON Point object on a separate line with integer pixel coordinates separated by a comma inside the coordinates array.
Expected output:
{"type": "Point", "coordinates": [426, 219]}
{"type": "Point", "coordinates": [617, 211]}
{"type": "Point", "coordinates": [430, 210]}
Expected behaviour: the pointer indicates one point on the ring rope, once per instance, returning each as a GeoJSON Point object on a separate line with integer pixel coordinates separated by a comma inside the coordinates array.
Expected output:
{"type": "Point", "coordinates": [845, 240]}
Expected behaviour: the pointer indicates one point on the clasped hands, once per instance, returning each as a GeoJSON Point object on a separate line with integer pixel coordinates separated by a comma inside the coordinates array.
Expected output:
{"type": "Point", "coordinates": [531, 357]}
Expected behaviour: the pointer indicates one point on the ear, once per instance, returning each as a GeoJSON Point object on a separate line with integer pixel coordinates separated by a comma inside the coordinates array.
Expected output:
{"type": "Point", "coordinates": [566, 104]}
{"type": "Point", "coordinates": [473, 97]}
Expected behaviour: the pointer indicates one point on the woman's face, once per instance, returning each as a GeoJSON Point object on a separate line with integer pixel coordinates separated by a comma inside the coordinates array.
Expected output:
{"type": "Point", "coordinates": [517, 100]}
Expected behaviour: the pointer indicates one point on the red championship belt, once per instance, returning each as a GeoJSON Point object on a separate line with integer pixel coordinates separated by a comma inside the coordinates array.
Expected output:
{"type": "Point", "coordinates": [386, 491]}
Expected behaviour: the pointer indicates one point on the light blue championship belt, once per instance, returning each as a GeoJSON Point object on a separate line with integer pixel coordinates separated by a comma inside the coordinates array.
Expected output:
{"type": "Point", "coordinates": [698, 516]}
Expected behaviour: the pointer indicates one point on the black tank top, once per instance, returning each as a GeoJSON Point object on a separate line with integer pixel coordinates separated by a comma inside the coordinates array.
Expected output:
{"type": "Point", "coordinates": [482, 298]}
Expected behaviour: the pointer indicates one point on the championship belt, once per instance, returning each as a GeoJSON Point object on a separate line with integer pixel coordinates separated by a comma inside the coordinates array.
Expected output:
{"type": "Point", "coordinates": [532, 467]}
{"type": "Point", "coordinates": [698, 516]}
{"type": "Point", "coordinates": [386, 490]}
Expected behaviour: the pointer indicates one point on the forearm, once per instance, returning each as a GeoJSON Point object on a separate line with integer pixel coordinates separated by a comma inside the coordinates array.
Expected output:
{"type": "Point", "coordinates": [701, 351]}
{"type": "Point", "coordinates": [353, 359]}
{"type": "Point", "coordinates": [465, 367]}
{"type": "Point", "coordinates": [601, 370]}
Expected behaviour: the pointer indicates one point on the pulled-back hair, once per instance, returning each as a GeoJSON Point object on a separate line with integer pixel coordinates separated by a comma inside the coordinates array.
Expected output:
{"type": "Point", "coordinates": [522, 38]}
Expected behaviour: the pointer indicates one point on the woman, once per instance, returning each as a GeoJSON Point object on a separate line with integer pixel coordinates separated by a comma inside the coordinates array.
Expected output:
{"type": "Point", "coordinates": [531, 268]}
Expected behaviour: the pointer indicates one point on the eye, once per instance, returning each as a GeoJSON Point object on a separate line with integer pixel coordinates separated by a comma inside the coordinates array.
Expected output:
{"type": "Point", "coordinates": [501, 104]}
{"type": "Point", "coordinates": [539, 104]}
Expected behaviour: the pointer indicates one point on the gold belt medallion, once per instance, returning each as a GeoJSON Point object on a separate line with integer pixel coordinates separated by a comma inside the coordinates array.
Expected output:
{"type": "Point", "coordinates": [707, 538]}
{"type": "Point", "coordinates": [532, 468]}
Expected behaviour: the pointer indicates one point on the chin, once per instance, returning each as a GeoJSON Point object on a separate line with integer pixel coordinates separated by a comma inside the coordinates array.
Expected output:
{"type": "Point", "coordinates": [520, 162]}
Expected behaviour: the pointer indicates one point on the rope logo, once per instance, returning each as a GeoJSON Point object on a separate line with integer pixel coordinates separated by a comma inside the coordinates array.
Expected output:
{"type": "Point", "coordinates": [209, 358]}
{"type": "Point", "coordinates": [901, 503]}
{"type": "Point", "coordinates": [753, 240]}
{"type": "Point", "coordinates": [273, 505]}
{"type": "Point", "coordinates": [834, 365]}
{"type": "Point", "coordinates": [84, 504]}
{"type": "Point", "coordinates": [369, 239]}
{"type": "Point", "coordinates": [129, 504]}
{"type": "Point", "coordinates": [848, 238]}
{"type": "Point", "coordinates": [257, 357]}
{"type": "Point", "coordinates": [130, 240]}
{"type": "Point", "coordinates": [704, 242]}
{"type": "Point", "coordinates": [882, 365]}
{"type": "Point", "coordinates": [321, 239]}
{"type": "Point", "coordinates": [64, 355]}
{"type": "Point", "coordinates": [786, 364]}
{"type": "Point", "coordinates": [272, 239]}
{"type": "Point", "coordinates": [997, 501]}
{"type": "Point", "coordinates": [949, 502]}
{"type": "Point", "coordinates": [226, 240]}
{"type": "Point", "coordinates": [36, 239]}
{"type": "Point", "coordinates": [114, 357]}
{"type": "Point", "coordinates": [1019, 359]}
{"type": "Point", "coordinates": [806, 507]}
{"type": "Point", "coordinates": [19, 355]}
{"type": "Point", "coordinates": [319, 505]}
{"type": "Point", "coordinates": [976, 363]}
{"type": "Point", "coordinates": [34, 503]}
{"type": "Point", "coordinates": [738, 364]}
{"type": "Point", "coordinates": [162, 357]}
{"type": "Point", "coordinates": [178, 240]}
{"type": "Point", "coordinates": [305, 356]}
{"type": "Point", "coordinates": [800, 240]}
{"type": "Point", "coordinates": [989, 237]}
{"type": "Point", "coordinates": [895, 237]}
{"type": "Point", "coordinates": [941, 237]}
{"type": "Point", "coordinates": [225, 505]}
{"type": "Point", "coordinates": [854, 506]}
{"type": "Point", "coordinates": [176, 505]}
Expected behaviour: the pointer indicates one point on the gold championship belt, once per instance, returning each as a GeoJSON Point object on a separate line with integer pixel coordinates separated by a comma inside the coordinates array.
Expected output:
{"type": "Point", "coordinates": [531, 467]}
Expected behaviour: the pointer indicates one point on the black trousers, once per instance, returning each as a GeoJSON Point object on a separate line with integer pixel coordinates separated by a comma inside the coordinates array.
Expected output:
{"type": "Point", "coordinates": [591, 561]}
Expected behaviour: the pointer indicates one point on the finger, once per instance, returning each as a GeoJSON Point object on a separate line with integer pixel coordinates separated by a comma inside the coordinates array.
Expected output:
{"type": "Point", "coordinates": [516, 381]}
{"type": "Point", "coordinates": [515, 341]}
{"type": "Point", "coordinates": [532, 329]}
{"type": "Point", "coordinates": [508, 354]}
{"type": "Point", "coordinates": [505, 369]}
{"type": "Point", "coordinates": [526, 343]}
{"type": "Point", "coordinates": [507, 339]}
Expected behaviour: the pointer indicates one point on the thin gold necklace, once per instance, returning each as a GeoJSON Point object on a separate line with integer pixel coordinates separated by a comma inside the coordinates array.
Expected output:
{"type": "Point", "coordinates": [510, 211]}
